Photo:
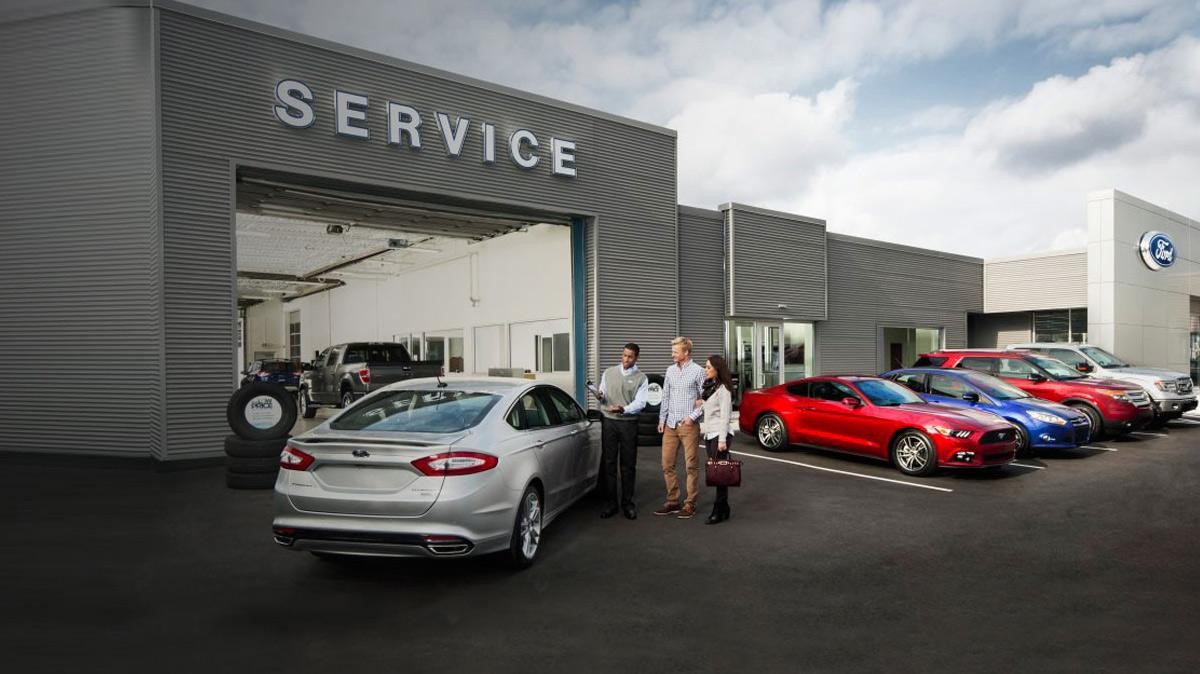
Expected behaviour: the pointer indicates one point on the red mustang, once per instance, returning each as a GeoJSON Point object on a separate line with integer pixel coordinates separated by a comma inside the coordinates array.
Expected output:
{"type": "Point", "coordinates": [878, 418]}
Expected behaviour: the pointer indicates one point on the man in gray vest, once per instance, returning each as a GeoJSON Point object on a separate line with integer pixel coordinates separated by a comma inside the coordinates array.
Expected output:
{"type": "Point", "coordinates": [622, 394]}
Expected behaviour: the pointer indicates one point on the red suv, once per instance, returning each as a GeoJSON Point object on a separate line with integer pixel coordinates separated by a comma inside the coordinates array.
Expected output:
{"type": "Point", "coordinates": [1112, 406]}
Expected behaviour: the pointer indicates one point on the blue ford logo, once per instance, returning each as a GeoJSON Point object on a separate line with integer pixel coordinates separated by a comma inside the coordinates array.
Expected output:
{"type": "Point", "coordinates": [1158, 251]}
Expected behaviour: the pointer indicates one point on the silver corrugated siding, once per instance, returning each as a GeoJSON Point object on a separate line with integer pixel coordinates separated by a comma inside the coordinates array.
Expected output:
{"type": "Point", "coordinates": [217, 82]}
{"type": "Point", "coordinates": [80, 270]}
{"type": "Point", "coordinates": [990, 331]}
{"type": "Point", "coordinates": [775, 258]}
{"type": "Point", "coordinates": [1046, 281]}
{"type": "Point", "coordinates": [873, 285]}
{"type": "Point", "coordinates": [702, 280]}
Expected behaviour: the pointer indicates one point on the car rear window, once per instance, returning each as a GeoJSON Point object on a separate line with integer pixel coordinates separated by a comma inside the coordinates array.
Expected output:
{"type": "Point", "coordinates": [417, 412]}
{"type": "Point", "coordinates": [378, 354]}
{"type": "Point", "coordinates": [277, 367]}
{"type": "Point", "coordinates": [929, 361]}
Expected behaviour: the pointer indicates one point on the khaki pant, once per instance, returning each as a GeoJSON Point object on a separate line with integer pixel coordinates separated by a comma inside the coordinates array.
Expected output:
{"type": "Point", "coordinates": [689, 436]}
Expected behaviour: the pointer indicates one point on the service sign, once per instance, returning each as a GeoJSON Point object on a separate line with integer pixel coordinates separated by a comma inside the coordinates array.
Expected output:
{"type": "Point", "coordinates": [1158, 251]}
{"type": "Point", "coordinates": [407, 127]}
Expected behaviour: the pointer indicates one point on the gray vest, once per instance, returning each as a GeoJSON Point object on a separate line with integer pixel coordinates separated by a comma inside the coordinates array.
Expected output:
{"type": "Point", "coordinates": [620, 389]}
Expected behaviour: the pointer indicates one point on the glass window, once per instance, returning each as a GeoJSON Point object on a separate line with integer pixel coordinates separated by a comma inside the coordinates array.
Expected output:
{"type": "Point", "coordinates": [996, 389]}
{"type": "Point", "coordinates": [1104, 358]}
{"type": "Point", "coordinates": [1079, 325]}
{"type": "Point", "coordinates": [930, 361]}
{"type": "Point", "coordinates": [832, 390]}
{"type": "Point", "coordinates": [562, 352]}
{"type": "Point", "coordinates": [887, 393]}
{"type": "Point", "coordinates": [456, 362]}
{"type": "Point", "coordinates": [1013, 367]}
{"type": "Point", "coordinates": [441, 411]}
{"type": "Point", "coordinates": [1052, 326]}
{"type": "Point", "coordinates": [568, 410]}
{"type": "Point", "coordinates": [800, 389]}
{"type": "Point", "coordinates": [1068, 356]}
{"type": "Point", "coordinates": [1056, 368]}
{"type": "Point", "coordinates": [529, 412]}
{"type": "Point", "coordinates": [294, 336]}
{"type": "Point", "coordinates": [977, 363]}
{"type": "Point", "coordinates": [796, 357]}
{"type": "Point", "coordinates": [545, 349]}
{"type": "Point", "coordinates": [379, 354]}
{"type": "Point", "coordinates": [947, 386]}
{"type": "Point", "coordinates": [913, 380]}
{"type": "Point", "coordinates": [332, 357]}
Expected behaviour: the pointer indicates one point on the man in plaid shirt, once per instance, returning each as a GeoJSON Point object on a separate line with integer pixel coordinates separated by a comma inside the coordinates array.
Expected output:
{"type": "Point", "coordinates": [677, 417]}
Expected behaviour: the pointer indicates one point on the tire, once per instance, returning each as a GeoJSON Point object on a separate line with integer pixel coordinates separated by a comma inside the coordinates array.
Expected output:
{"type": "Point", "coordinates": [304, 404]}
{"type": "Point", "coordinates": [252, 466]}
{"type": "Point", "coordinates": [771, 432]}
{"type": "Point", "coordinates": [1023, 448]}
{"type": "Point", "coordinates": [250, 480]}
{"type": "Point", "coordinates": [347, 399]}
{"type": "Point", "coordinates": [254, 449]}
{"type": "Point", "coordinates": [1159, 421]}
{"type": "Point", "coordinates": [527, 530]}
{"type": "Point", "coordinates": [913, 453]}
{"type": "Point", "coordinates": [1094, 419]}
{"type": "Point", "coordinates": [273, 416]}
{"type": "Point", "coordinates": [648, 427]}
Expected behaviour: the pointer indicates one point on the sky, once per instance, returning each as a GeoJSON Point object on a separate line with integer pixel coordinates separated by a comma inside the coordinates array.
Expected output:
{"type": "Point", "coordinates": [966, 126]}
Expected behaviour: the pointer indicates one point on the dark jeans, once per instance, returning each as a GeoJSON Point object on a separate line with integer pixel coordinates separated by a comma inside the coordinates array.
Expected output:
{"type": "Point", "coordinates": [618, 440]}
{"type": "Point", "coordinates": [722, 501]}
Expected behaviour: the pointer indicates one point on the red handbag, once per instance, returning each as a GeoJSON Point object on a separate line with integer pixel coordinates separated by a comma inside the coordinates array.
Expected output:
{"type": "Point", "coordinates": [723, 473]}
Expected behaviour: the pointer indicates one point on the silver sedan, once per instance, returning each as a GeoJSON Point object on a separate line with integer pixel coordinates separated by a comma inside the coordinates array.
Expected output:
{"type": "Point", "coordinates": [429, 468]}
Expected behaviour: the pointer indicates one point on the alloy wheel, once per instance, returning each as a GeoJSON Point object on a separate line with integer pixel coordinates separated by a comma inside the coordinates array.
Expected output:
{"type": "Point", "coordinates": [770, 432]}
{"type": "Point", "coordinates": [531, 525]}
{"type": "Point", "coordinates": [913, 453]}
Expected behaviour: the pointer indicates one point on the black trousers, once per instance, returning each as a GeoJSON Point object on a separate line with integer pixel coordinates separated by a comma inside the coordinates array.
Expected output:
{"type": "Point", "coordinates": [618, 442]}
{"type": "Point", "coordinates": [711, 444]}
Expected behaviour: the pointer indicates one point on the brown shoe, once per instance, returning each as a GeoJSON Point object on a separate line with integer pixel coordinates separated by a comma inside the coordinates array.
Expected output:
{"type": "Point", "coordinates": [667, 509]}
{"type": "Point", "coordinates": [687, 511]}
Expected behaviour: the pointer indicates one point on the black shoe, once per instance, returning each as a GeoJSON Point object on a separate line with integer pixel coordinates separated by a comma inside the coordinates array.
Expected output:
{"type": "Point", "coordinates": [608, 512]}
{"type": "Point", "coordinates": [718, 515]}
{"type": "Point", "coordinates": [630, 512]}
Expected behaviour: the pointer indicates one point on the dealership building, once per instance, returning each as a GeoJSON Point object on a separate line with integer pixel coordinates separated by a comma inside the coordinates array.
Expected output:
{"type": "Point", "coordinates": [184, 192]}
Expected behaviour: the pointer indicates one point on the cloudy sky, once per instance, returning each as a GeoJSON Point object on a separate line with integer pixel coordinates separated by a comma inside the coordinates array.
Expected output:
{"type": "Point", "coordinates": [970, 126]}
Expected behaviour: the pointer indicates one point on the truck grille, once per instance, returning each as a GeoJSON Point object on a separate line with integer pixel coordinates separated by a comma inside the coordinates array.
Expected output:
{"type": "Point", "coordinates": [1183, 385]}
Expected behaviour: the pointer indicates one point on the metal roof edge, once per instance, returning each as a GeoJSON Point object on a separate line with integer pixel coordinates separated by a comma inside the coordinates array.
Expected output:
{"type": "Point", "coordinates": [1060, 252]}
{"type": "Point", "coordinates": [274, 31]}
{"type": "Point", "coordinates": [733, 205]}
{"type": "Point", "coordinates": [699, 212]}
{"type": "Point", "coordinates": [846, 238]}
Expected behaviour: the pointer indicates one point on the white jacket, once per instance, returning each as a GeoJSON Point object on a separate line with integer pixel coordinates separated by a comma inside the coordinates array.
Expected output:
{"type": "Point", "coordinates": [717, 412]}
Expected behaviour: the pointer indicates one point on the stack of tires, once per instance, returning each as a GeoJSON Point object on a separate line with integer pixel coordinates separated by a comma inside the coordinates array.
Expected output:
{"type": "Point", "coordinates": [648, 418]}
{"type": "Point", "coordinates": [261, 415]}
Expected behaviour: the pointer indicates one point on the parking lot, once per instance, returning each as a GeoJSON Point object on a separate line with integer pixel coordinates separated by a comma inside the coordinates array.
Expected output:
{"type": "Point", "coordinates": [1077, 560]}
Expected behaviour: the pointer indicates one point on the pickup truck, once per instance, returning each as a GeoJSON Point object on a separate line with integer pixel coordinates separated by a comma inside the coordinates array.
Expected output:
{"type": "Point", "coordinates": [344, 373]}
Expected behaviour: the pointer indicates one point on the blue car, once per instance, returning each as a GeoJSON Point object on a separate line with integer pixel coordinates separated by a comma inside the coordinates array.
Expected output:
{"type": "Point", "coordinates": [1040, 424]}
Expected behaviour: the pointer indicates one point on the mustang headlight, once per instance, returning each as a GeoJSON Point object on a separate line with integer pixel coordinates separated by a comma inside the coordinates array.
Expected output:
{"type": "Point", "coordinates": [1048, 418]}
{"type": "Point", "coordinates": [950, 432]}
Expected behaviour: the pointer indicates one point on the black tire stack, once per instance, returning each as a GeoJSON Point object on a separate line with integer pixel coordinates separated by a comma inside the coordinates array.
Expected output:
{"type": "Point", "coordinates": [647, 422]}
{"type": "Point", "coordinates": [260, 415]}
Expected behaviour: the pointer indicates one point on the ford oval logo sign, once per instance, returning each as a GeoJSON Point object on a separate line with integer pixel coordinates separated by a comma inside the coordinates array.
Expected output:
{"type": "Point", "coordinates": [1158, 251]}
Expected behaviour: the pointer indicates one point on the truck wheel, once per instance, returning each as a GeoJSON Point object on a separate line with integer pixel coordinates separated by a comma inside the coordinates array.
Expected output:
{"type": "Point", "coordinates": [347, 399]}
{"type": "Point", "coordinates": [304, 404]}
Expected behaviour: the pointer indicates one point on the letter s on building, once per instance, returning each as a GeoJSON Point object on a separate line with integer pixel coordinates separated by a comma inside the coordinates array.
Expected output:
{"type": "Point", "coordinates": [296, 98]}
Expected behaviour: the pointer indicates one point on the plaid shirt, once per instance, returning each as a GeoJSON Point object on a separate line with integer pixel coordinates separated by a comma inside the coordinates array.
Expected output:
{"type": "Point", "coordinates": [681, 390]}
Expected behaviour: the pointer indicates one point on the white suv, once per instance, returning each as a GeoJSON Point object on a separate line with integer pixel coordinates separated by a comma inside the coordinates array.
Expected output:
{"type": "Point", "coordinates": [1171, 392]}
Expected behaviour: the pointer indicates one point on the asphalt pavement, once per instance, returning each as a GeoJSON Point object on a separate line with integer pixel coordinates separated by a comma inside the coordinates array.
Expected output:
{"type": "Point", "coordinates": [1074, 561]}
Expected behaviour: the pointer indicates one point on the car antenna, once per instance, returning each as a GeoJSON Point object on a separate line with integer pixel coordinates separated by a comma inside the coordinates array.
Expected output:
{"type": "Point", "coordinates": [441, 384]}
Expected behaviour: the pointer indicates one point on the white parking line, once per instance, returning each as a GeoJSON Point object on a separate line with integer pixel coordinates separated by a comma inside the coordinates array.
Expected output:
{"type": "Point", "coordinates": [843, 472]}
{"type": "Point", "coordinates": [1186, 422]}
{"type": "Point", "coordinates": [1026, 465]}
{"type": "Point", "coordinates": [1150, 435]}
{"type": "Point", "coordinates": [1106, 449]}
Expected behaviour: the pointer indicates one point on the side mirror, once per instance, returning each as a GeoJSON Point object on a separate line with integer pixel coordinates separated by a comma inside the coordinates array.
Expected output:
{"type": "Point", "coordinates": [971, 397]}
{"type": "Point", "coordinates": [594, 415]}
{"type": "Point", "coordinates": [1084, 368]}
{"type": "Point", "coordinates": [851, 402]}
{"type": "Point", "coordinates": [306, 367]}
{"type": "Point", "coordinates": [1036, 378]}
{"type": "Point", "coordinates": [316, 355]}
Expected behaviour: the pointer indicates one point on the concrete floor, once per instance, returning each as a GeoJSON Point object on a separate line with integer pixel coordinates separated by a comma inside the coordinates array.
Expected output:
{"type": "Point", "coordinates": [1080, 561]}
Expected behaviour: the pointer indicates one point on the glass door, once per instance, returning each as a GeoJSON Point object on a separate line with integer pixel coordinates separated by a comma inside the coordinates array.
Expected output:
{"type": "Point", "coordinates": [740, 353]}
{"type": "Point", "coordinates": [769, 362]}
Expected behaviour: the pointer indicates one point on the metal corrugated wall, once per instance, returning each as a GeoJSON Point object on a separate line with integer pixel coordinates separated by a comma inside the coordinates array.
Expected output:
{"type": "Point", "coordinates": [776, 259]}
{"type": "Point", "coordinates": [702, 279]}
{"type": "Point", "coordinates": [217, 83]}
{"type": "Point", "coordinates": [80, 269]}
{"type": "Point", "coordinates": [990, 331]}
{"type": "Point", "coordinates": [874, 285]}
{"type": "Point", "coordinates": [1055, 281]}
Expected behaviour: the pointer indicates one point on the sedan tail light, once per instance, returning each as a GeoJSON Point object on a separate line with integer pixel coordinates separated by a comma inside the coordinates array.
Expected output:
{"type": "Point", "coordinates": [294, 459]}
{"type": "Point", "coordinates": [456, 463]}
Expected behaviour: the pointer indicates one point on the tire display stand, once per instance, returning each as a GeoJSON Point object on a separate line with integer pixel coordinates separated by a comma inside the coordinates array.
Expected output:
{"type": "Point", "coordinates": [260, 415]}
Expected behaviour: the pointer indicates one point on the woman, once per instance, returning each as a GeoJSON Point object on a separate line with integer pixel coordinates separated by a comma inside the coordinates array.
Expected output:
{"type": "Point", "coordinates": [718, 406]}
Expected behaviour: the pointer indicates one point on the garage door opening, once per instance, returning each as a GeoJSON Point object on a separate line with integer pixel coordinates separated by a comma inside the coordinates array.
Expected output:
{"type": "Point", "coordinates": [479, 288]}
